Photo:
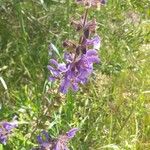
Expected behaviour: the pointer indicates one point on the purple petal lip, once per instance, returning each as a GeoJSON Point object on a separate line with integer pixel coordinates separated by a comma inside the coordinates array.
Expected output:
{"type": "Point", "coordinates": [40, 140]}
{"type": "Point", "coordinates": [96, 41]}
{"type": "Point", "coordinates": [55, 72]}
{"type": "Point", "coordinates": [50, 68]}
{"type": "Point", "coordinates": [51, 79]}
{"type": "Point", "coordinates": [68, 57]}
{"type": "Point", "coordinates": [75, 87]}
{"type": "Point", "coordinates": [62, 67]}
{"type": "Point", "coordinates": [54, 62]}
{"type": "Point", "coordinates": [9, 125]}
{"type": "Point", "coordinates": [65, 84]}
{"type": "Point", "coordinates": [3, 139]}
{"type": "Point", "coordinates": [71, 133]}
{"type": "Point", "coordinates": [91, 52]}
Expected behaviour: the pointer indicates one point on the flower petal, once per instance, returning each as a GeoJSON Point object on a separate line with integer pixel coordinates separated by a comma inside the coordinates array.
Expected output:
{"type": "Point", "coordinates": [51, 79]}
{"type": "Point", "coordinates": [62, 67]}
{"type": "Point", "coordinates": [3, 139]}
{"type": "Point", "coordinates": [8, 126]}
{"type": "Point", "coordinates": [50, 68]}
{"type": "Point", "coordinates": [40, 140]}
{"type": "Point", "coordinates": [75, 86]}
{"type": "Point", "coordinates": [92, 56]}
{"type": "Point", "coordinates": [54, 62]}
{"type": "Point", "coordinates": [71, 133]}
{"type": "Point", "coordinates": [95, 42]}
{"type": "Point", "coordinates": [55, 72]}
{"type": "Point", "coordinates": [68, 57]}
{"type": "Point", "coordinates": [92, 52]}
{"type": "Point", "coordinates": [94, 59]}
{"type": "Point", "coordinates": [64, 86]}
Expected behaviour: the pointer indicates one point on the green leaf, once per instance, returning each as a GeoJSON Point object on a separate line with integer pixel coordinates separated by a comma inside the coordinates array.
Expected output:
{"type": "Point", "coordinates": [3, 83]}
{"type": "Point", "coordinates": [53, 47]}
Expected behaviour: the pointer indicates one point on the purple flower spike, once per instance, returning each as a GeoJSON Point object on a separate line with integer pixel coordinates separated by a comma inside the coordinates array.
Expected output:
{"type": "Point", "coordinates": [81, 55]}
{"type": "Point", "coordinates": [46, 143]}
{"type": "Point", "coordinates": [75, 72]}
{"type": "Point", "coordinates": [6, 129]}
{"type": "Point", "coordinates": [62, 141]}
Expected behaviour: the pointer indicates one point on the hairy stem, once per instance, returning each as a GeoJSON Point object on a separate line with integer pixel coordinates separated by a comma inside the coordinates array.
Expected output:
{"type": "Point", "coordinates": [84, 22]}
{"type": "Point", "coordinates": [85, 17]}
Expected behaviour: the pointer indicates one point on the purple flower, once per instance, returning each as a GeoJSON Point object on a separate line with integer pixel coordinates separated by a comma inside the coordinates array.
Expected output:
{"type": "Point", "coordinates": [85, 65]}
{"type": "Point", "coordinates": [71, 133]}
{"type": "Point", "coordinates": [77, 68]}
{"type": "Point", "coordinates": [70, 81]}
{"type": "Point", "coordinates": [95, 42]}
{"type": "Point", "coordinates": [63, 140]}
{"type": "Point", "coordinates": [46, 143]}
{"type": "Point", "coordinates": [56, 70]}
{"type": "Point", "coordinates": [5, 130]}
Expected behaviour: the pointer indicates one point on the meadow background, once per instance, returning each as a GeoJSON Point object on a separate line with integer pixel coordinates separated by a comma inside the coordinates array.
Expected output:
{"type": "Point", "coordinates": [112, 110]}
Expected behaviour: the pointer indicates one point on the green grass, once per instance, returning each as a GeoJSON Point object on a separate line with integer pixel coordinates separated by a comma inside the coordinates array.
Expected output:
{"type": "Point", "coordinates": [112, 110]}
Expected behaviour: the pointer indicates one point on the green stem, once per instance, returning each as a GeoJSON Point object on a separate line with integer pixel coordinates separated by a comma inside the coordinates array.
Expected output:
{"type": "Point", "coordinates": [84, 22]}
{"type": "Point", "coordinates": [70, 106]}
{"type": "Point", "coordinates": [111, 128]}
{"type": "Point", "coordinates": [68, 16]}
{"type": "Point", "coordinates": [85, 17]}
{"type": "Point", "coordinates": [125, 122]}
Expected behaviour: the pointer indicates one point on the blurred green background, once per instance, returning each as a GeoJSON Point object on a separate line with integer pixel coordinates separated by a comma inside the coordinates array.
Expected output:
{"type": "Point", "coordinates": [112, 110]}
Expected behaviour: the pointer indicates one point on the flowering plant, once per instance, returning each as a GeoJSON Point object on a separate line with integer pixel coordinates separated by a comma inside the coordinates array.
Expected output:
{"type": "Point", "coordinates": [78, 62]}
{"type": "Point", "coordinates": [79, 58]}
{"type": "Point", "coordinates": [47, 143]}
{"type": "Point", "coordinates": [6, 129]}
